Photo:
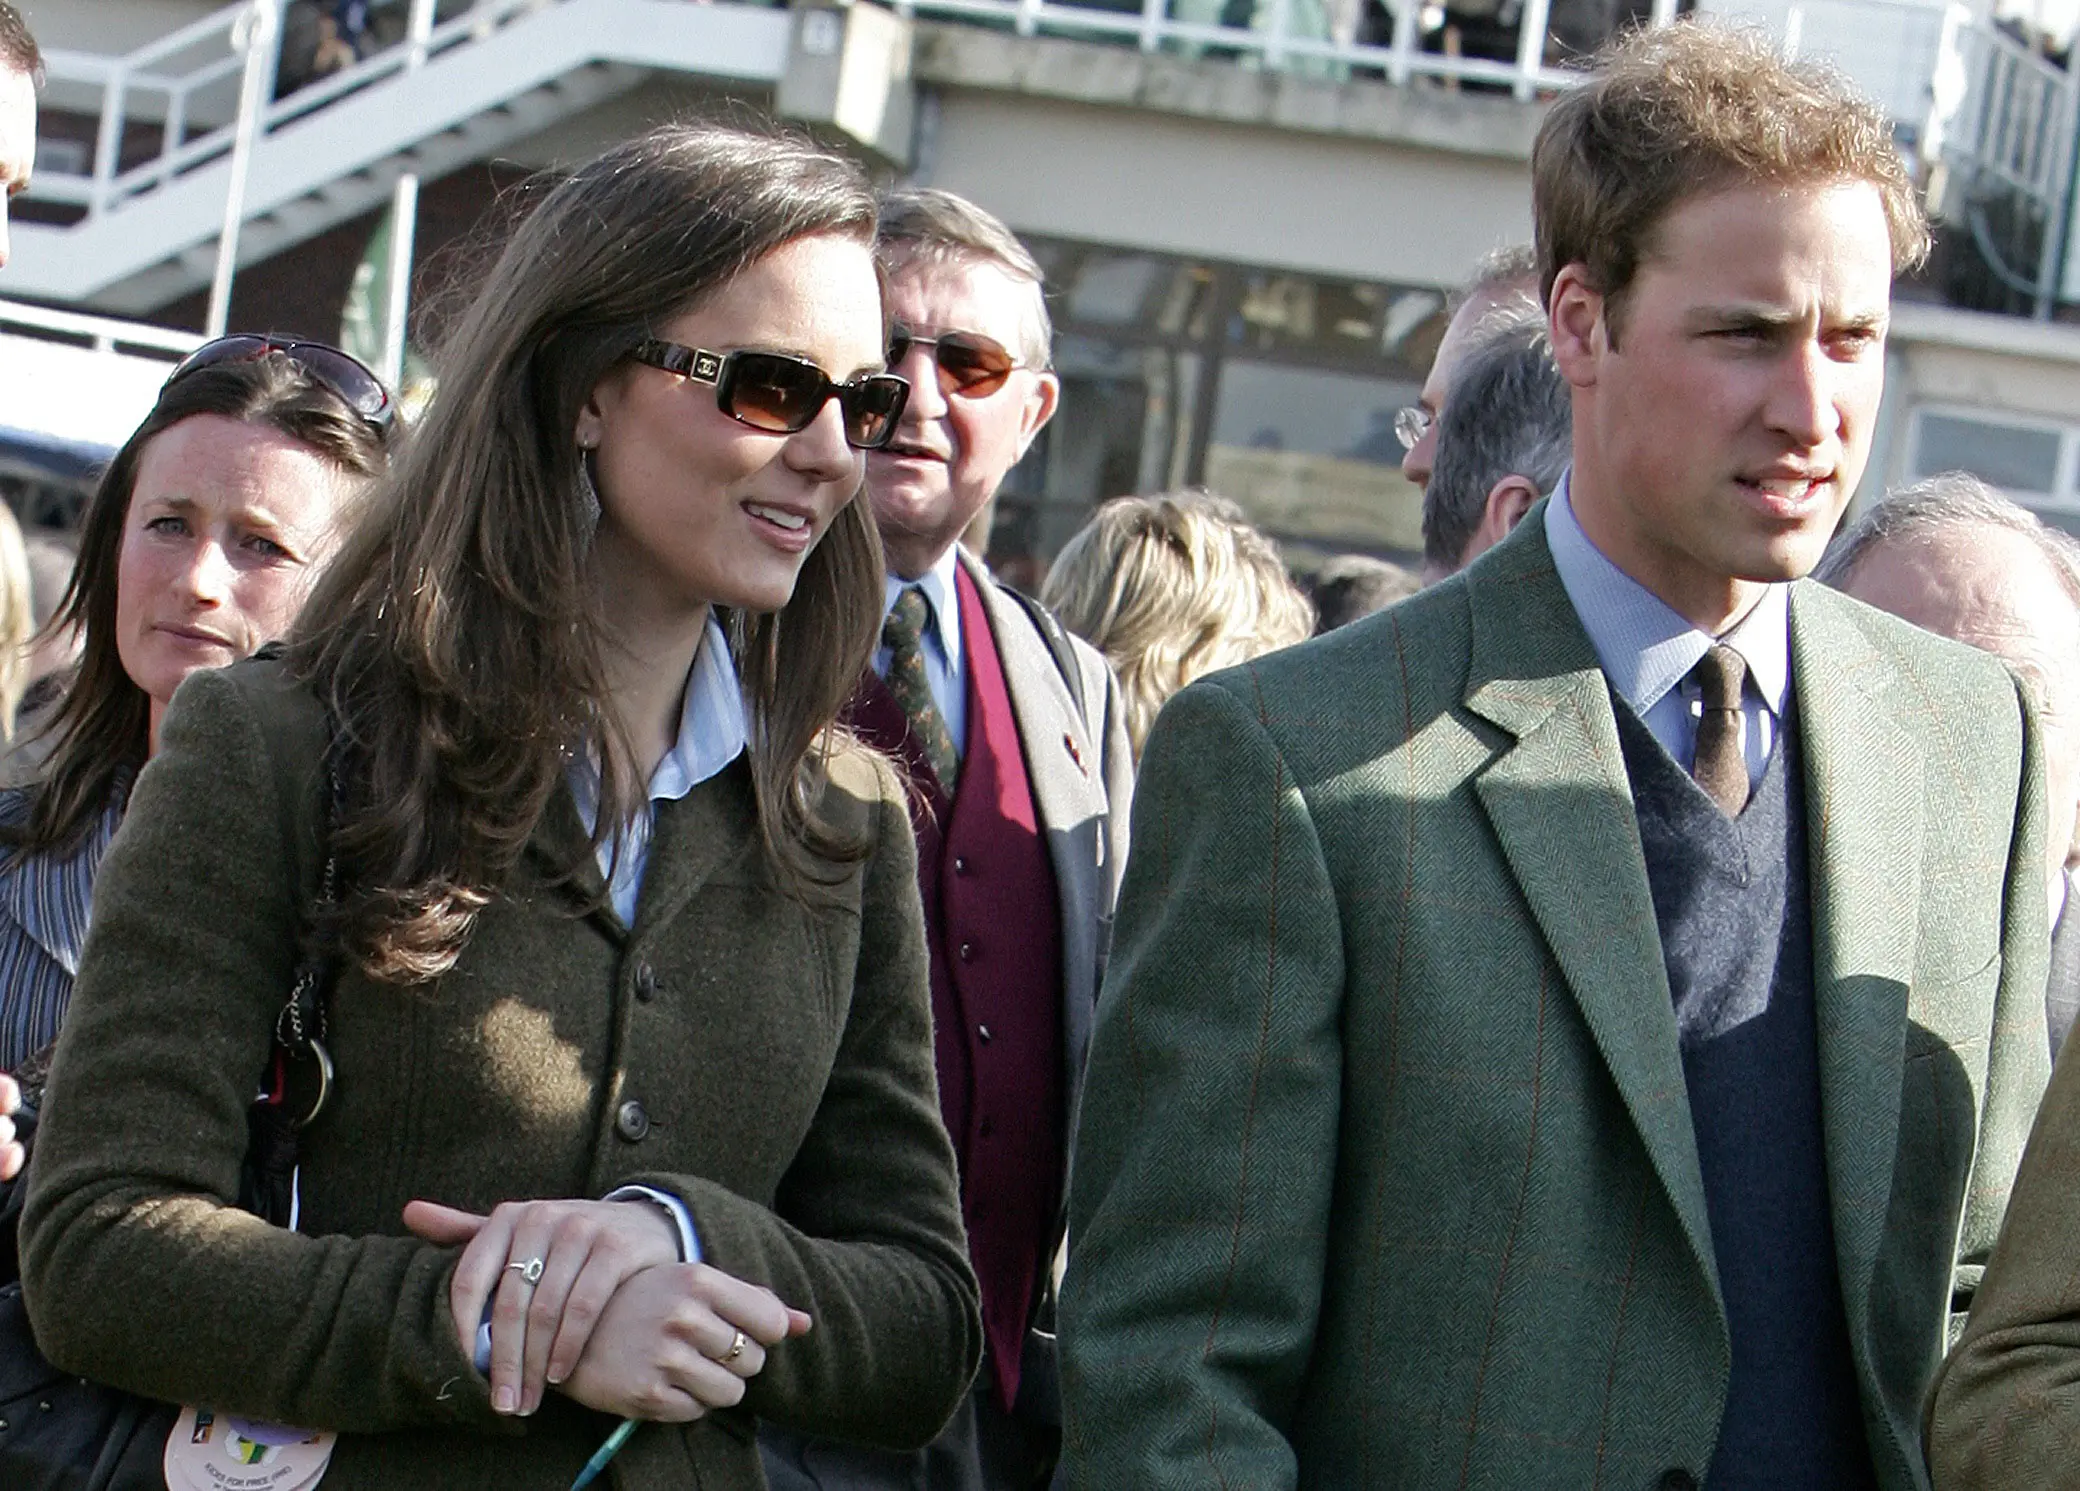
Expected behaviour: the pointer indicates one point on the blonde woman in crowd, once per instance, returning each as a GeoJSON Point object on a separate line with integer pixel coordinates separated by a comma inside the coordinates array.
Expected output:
{"type": "Point", "coordinates": [1172, 587]}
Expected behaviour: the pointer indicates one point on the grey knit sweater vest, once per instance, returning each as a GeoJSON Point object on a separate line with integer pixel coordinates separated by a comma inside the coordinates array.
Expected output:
{"type": "Point", "coordinates": [1731, 901]}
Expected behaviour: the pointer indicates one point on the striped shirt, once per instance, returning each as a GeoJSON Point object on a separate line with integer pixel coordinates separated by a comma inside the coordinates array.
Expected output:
{"type": "Point", "coordinates": [44, 902]}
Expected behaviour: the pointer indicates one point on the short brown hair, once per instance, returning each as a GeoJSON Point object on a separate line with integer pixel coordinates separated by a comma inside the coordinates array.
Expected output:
{"type": "Point", "coordinates": [929, 226]}
{"type": "Point", "coordinates": [1690, 109]}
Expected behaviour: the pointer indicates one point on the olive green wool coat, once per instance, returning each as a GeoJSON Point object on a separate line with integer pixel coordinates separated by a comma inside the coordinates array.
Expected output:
{"type": "Point", "coordinates": [1387, 1175]}
{"type": "Point", "coordinates": [782, 1056]}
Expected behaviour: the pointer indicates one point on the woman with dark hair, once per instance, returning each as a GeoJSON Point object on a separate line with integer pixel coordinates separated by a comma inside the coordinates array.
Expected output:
{"type": "Point", "coordinates": [631, 1028]}
{"type": "Point", "coordinates": [200, 543]}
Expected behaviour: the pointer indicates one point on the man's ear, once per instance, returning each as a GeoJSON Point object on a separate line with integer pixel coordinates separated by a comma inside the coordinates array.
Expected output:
{"type": "Point", "coordinates": [1508, 501]}
{"type": "Point", "coordinates": [1575, 324]}
{"type": "Point", "coordinates": [1041, 403]}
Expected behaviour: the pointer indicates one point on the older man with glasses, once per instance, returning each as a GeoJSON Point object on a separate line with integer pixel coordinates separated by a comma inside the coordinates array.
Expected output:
{"type": "Point", "coordinates": [1504, 282]}
{"type": "Point", "coordinates": [1014, 733]}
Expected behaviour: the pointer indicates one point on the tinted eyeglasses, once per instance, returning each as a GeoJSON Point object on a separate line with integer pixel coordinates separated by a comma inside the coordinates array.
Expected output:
{"type": "Point", "coordinates": [781, 394]}
{"type": "Point", "coordinates": [345, 375]}
{"type": "Point", "coordinates": [969, 363]}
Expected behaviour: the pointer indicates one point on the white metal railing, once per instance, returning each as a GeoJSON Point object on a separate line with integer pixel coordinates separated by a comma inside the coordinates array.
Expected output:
{"type": "Point", "coordinates": [103, 333]}
{"type": "Point", "coordinates": [2001, 134]}
{"type": "Point", "coordinates": [187, 84]}
{"type": "Point", "coordinates": [1304, 36]}
{"type": "Point", "coordinates": [2015, 116]}
{"type": "Point", "coordinates": [1968, 99]}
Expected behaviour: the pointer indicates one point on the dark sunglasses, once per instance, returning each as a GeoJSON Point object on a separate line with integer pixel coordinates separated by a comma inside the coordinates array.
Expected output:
{"type": "Point", "coordinates": [772, 391]}
{"type": "Point", "coordinates": [345, 375]}
{"type": "Point", "coordinates": [969, 363]}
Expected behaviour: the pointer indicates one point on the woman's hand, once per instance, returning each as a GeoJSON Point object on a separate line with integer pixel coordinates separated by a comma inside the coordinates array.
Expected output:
{"type": "Point", "coordinates": [677, 1341]}
{"type": "Point", "coordinates": [12, 1155]}
{"type": "Point", "coordinates": [539, 1329]}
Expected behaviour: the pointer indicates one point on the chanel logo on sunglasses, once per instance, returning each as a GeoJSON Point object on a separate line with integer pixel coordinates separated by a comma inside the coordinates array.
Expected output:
{"type": "Point", "coordinates": [780, 394]}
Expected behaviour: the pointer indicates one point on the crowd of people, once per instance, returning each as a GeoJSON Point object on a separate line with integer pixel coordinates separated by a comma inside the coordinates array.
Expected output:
{"type": "Point", "coordinates": [1587, 1018]}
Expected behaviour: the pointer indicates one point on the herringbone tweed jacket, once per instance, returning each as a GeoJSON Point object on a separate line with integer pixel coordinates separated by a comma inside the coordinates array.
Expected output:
{"type": "Point", "coordinates": [779, 1056]}
{"type": "Point", "coordinates": [1386, 1174]}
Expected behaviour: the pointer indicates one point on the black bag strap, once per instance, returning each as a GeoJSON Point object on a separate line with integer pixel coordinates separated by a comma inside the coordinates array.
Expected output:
{"type": "Point", "coordinates": [300, 1029]}
{"type": "Point", "coordinates": [297, 1086]}
{"type": "Point", "coordinates": [1056, 636]}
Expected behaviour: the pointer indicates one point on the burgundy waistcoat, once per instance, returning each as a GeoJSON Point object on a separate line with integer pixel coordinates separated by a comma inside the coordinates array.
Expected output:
{"type": "Point", "coordinates": [993, 922]}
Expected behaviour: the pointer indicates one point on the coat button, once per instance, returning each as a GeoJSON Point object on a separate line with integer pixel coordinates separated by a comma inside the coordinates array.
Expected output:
{"type": "Point", "coordinates": [985, 1128]}
{"type": "Point", "coordinates": [967, 952]}
{"type": "Point", "coordinates": [646, 982]}
{"type": "Point", "coordinates": [1678, 1480]}
{"type": "Point", "coordinates": [631, 1122]}
{"type": "Point", "coordinates": [982, 1034]}
{"type": "Point", "coordinates": [960, 864]}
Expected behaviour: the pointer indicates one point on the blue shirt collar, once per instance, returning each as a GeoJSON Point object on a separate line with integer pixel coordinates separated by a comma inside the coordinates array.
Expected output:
{"type": "Point", "coordinates": [713, 731]}
{"type": "Point", "coordinates": [713, 728]}
{"type": "Point", "coordinates": [937, 583]}
{"type": "Point", "coordinates": [1645, 648]}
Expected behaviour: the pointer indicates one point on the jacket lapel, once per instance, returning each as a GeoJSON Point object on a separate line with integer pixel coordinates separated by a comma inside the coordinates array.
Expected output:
{"type": "Point", "coordinates": [1063, 767]}
{"type": "Point", "coordinates": [1061, 759]}
{"type": "Point", "coordinates": [695, 836]}
{"type": "Point", "coordinates": [1864, 858]}
{"type": "Point", "coordinates": [560, 848]}
{"type": "Point", "coordinates": [1561, 806]}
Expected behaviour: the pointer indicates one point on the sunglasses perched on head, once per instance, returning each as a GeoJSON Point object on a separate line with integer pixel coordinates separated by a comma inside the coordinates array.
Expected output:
{"type": "Point", "coordinates": [969, 363]}
{"type": "Point", "coordinates": [345, 375]}
{"type": "Point", "coordinates": [780, 394]}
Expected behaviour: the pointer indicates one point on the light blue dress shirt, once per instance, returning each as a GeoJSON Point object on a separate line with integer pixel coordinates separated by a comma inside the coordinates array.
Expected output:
{"type": "Point", "coordinates": [713, 731]}
{"type": "Point", "coordinates": [1647, 650]}
{"type": "Point", "coordinates": [943, 666]}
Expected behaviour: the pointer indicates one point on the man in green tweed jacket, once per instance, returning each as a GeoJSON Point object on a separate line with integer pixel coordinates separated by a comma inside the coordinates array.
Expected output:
{"type": "Point", "coordinates": [1577, 1028]}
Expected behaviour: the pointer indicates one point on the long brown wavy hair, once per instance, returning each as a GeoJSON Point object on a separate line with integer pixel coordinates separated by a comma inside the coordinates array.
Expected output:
{"type": "Point", "coordinates": [457, 641]}
{"type": "Point", "coordinates": [98, 734]}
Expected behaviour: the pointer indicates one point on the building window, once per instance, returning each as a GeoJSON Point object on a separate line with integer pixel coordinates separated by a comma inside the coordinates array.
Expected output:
{"type": "Point", "coordinates": [2029, 461]}
{"type": "Point", "coordinates": [1272, 387]}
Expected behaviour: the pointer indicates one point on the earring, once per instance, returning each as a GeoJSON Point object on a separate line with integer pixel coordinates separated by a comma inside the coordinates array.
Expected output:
{"type": "Point", "coordinates": [588, 488]}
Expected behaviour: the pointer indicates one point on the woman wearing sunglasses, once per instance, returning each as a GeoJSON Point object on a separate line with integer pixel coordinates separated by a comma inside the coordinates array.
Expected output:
{"type": "Point", "coordinates": [200, 543]}
{"type": "Point", "coordinates": [634, 1112]}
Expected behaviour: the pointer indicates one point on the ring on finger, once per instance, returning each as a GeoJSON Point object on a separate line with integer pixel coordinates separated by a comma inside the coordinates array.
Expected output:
{"type": "Point", "coordinates": [530, 1270]}
{"type": "Point", "coordinates": [736, 1349]}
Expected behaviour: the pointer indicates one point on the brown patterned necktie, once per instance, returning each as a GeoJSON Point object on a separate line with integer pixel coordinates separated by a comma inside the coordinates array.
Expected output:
{"type": "Point", "coordinates": [1721, 768]}
{"type": "Point", "coordinates": [903, 635]}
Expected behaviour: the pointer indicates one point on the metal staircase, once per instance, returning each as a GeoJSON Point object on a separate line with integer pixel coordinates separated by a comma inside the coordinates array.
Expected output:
{"type": "Point", "coordinates": [494, 73]}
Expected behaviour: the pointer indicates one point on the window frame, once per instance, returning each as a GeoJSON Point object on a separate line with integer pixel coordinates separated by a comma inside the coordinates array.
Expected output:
{"type": "Point", "coordinates": [2064, 496]}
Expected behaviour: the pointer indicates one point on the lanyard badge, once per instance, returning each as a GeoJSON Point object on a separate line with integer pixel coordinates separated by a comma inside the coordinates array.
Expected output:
{"type": "Point", "coordinates": [214, 1452]}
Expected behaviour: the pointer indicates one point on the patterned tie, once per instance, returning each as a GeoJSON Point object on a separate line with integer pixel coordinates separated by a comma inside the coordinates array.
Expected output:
{"type": "Point", "coordinates": [1721, 768]}
{"type": "Point", "coordinates": [903, 635]}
